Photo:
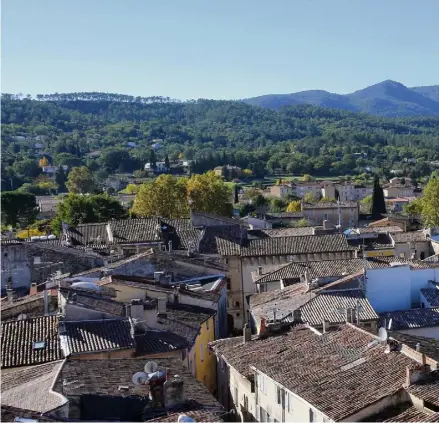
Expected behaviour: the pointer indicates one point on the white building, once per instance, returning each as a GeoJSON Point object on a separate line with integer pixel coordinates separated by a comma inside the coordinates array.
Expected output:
{"type": "Point", "coordinates": [160, 167]}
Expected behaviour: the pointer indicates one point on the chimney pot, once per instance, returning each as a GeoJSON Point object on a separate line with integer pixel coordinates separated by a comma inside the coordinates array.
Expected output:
{"type": "Point", "coordinates": [259, 270]}
{"type": "Point", "coordinates": [170, 246]}
{"type": "Point", "coordinates": [174, 391]}
{"type": "Point", "coordinates": [247, 337]}
{"type": "Point", "coordinates": [418, 347]}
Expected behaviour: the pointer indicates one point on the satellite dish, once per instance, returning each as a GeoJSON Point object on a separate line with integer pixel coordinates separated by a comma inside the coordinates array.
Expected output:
{"type": "Point", "coordinates": [382, 334]}
{"type": "Point", "coordinates": [183, 418]}
{"type": "Point", "coordinates": [21, 316]}
{"type": "Point", "coordinates": [139, 378]}
{"type": "Point", "coordinates": [151, 367]}
{"type": "Point", "coordinates": [86, 285]}
{"type": "Point", "coordinates": [390, 324]}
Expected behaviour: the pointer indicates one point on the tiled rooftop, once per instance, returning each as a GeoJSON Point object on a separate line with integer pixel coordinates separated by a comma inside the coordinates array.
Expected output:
{"type": "Point", "coordinates": [431, 295]}
{"type": "Point", "coordinates": [97, 303]}
{"type": "Point", "coordinates": [284, 215]}
{"type": "Point", "coordinates": [427, 390]}
{"type": "Point", "coordinates": [429, 346]}
{"type": "Point", "coordinates": [103, 377]}
{"type": "Point", "coordinates": [155, 342]}
{"type": "Point", "coordinates": [316, 269]}
{"type": "Point", "coordinates": [378, 229]}
{"type": "Point", "coordinates": [330, 205]}
{"type": "Point", "coordinates": [99, 335]}
{"type": "Point", "coordinates": [415, 236]}
{"type": "Point", "coordinates": [19, 338]}
{"type": "Point", "coordinates": [383, 262]}
{"type": "Point", "coordinates": [401, 413]}
{"type": "Point", "coordinates": [339, 373]}
{"type": "Point", "coordinates": [281, 232]}
{"type": "Point", "coordinates": [411, 319]}
{"type": "Point", "coordinates": [88, 234]}
{"type": "Point", "coordinates": [29, 388]}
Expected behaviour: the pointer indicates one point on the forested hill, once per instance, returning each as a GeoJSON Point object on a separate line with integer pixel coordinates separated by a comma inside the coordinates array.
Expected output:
{"type": "Point", "coordinates": [388, 98]}
{"type": "Point", "coordinates": [300, 139]}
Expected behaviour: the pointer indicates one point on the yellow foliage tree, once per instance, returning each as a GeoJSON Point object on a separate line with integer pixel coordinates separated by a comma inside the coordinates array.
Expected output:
{"type": "Point", "coordinates": [43, 162]}
{"type": "Point", "coordinates": [294, 206]}
{"type": "Point", "coordinates": [307, 178]}
{"type": "Point", "coordinates": [327, 200]}
{"type": "Point", "coordinates": [131, 189]}
{"type": "Point", "coordinates": [171, 197]}
{"type": "Point", "coordinates": [310, 197]}
{"type": "Point", "coordinates": [247, 173]}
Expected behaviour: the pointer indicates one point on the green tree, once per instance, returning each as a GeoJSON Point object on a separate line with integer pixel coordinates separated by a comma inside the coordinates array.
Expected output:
{"type": "Point", "coordinates": [80, 181]}
{"type": "Point", "coordinates": [302, 223]}
{"type": "Point", "coordinates": [430, 203]}
{"type": "Point", "coordinates": [310, 197]}
{"type": "Point", "coordinates": [366, 204]}
{"type": "Point", "coordinates": [60, 179]}
{"type": "Point", "coordinates": [18, 208]}
{"type": "Point", "coordinates": [277, 205]}
{"type": "Point", "coordinates": [167, 163]}
{"type": "Point", "coordinates": [76, 209]}
{"type": "Point", "coordinates": [378, 204]}
{"type": "Point", "coordinates": [152, 159]}
{"type": "Point", "coordinates": [307, 178]}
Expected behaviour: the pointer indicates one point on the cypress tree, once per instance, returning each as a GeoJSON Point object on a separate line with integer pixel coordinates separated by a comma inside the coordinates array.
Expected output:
{"type": "Point", "coordinates": [378, 203]}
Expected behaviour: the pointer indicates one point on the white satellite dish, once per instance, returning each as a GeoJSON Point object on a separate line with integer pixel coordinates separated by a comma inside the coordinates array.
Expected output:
{"type": "Point", "coordinates": [151, 367]}
{"type": "Point", "coordinates": [382, 334]}
{"type": "Point", "coordinates": [183, 418]}
{"type": "Point", "coordinates": [139, 378]}
{"type": "Point", "coordinates": [390, 324]}
{"type": "Point", "coordinates": [21, 316]}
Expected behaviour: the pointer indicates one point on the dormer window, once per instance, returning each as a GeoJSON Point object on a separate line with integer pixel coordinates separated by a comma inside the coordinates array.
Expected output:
{"type": "Point", "coordinates": [39, 345]}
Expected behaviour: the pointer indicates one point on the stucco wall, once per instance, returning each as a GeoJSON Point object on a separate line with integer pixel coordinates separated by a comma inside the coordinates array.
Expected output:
{"type": "Point", "coordinates": [428, 332]}
{"type": "Point", "coordinates": [205, 359]}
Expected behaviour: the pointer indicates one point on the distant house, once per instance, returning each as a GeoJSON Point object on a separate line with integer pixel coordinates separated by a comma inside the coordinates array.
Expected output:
{"type": "Point", "coordinates": [349, 191]}
{"type": "Point", "coordinates": [343, 213]}
{"type": "Point", "coordinates": [281, 191]}
{"type": "Point", "coordinates": [228, 172]}
{"type": "Point", "coordinates": [51, 170]}
{"type": "Point", "coordinates": [160, 167]}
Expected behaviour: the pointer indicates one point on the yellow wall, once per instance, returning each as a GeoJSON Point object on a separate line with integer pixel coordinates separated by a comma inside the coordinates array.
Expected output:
{"type": "Point", "coordinates": [380, 253]}
{"type": "Point", "coordinates": [205, 367]}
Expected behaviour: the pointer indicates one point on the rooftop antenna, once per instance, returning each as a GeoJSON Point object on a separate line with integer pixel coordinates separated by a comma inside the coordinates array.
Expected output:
{"type": "Point", "coordinates": [151, 367]}
{"type": "Point", "coordinates": [390, 324]}
{"type": "Point", "coordinates": [139, 378]}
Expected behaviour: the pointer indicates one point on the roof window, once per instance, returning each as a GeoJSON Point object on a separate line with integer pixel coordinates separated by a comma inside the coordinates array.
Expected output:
{"type": "Point", "coordinates": [39, 345]}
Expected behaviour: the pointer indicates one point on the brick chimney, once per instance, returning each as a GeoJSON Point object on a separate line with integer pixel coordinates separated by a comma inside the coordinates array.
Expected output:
{"type": "Point", "coordinates": [174, 391]}
{"type": "Point", "coordinates": [247, 334]}
{"type": "Point", "coordinates": [417, 373]}
{"type": "Point", "coordinates": [263, 326]}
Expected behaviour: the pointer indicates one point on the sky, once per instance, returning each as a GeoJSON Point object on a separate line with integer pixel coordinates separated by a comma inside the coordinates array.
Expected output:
{"type": "Point", "coordinates": [222, 49]}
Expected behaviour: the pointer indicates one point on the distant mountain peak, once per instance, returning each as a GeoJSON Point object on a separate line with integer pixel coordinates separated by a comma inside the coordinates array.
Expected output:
{"type": "Point", "coordinates": [386, 98]}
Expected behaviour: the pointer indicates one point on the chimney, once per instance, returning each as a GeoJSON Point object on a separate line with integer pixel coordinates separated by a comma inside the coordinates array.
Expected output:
{"type": "Point", "coordinates": [274, 315]}
{"type": "Point", "coordinates": [325, 326]}
{"type": "Point", "coordinates": [10, 294]}
{"type": "Point", "coordinates": [247, 334]}
{"type": "Point", "coordinates": [176, 293]}
{"type": "Point", "coordinates": [263, 326]}
{"type": "Point", "coordinates": [417, 373]}
{"type": "Point", "coordinates": [170, 246]}
{"type": "Point", "coordinates": [325, 225]}
{"type": "Point", "coordinates": [137, 309]}
{"type": "Point", "coordinates": [161, 307]}
{"type": "Point", "coordinates": [33, 289]}
{"type": "Point", "coordinates": [418, 347]}
{"type": "Point", "coordinates": [168, 278]}
{"type": "Point", "coordinates": [174, 391]}
{"type": "Point", "coordinates": [259, 270]}
{"type": "Point", "coordinates": [62, 326]}
{"type": "Point", "coordinates": [297, 315]}
{"type": "Point", "coordinates": [46, 302]}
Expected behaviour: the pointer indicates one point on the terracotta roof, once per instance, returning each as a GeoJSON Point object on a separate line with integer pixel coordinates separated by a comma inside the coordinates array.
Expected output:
{"type": "Point", "coordinates": [98, 303]}
{"type": "Point", "coordinates": [33, 303]}
{"type": "Point", "coordinates": [316, 269]}
{"type": "Point", "coordinates": [431, 295]}
{"type": "Point", "coordinates": [330, 306]}
{"type": "Point", "coordinates": [429, 346]}
{"type": "Point", "coordinates": [154, 342]}
{"type": "Point", "coordinates": [415, 236]}
{"type": "Point", "coordinates": [88, 234]}
{"type": "Point", "coordinates": [411, 319]}
{"type": "Point", "coordinates": [103, 377]}
{"type": "Point", "coordinates": [379, 229]}
{"type": "Point", "coordinates": [329, 205]}
{"type": "Point", "coordinates": [19, 338]}
{"type": "Point", "coordinates": [224, 240]}
{"type": "Point", "coordinates": [401, 413]}
{"type": "Point", "coordinates": [281, 232]}
{"type": "Point", "coordinates": [29, 388]}
{"type": "Point", "coordinates": [9, 414]}
{"type": "Point", "coordinates": [284, 301]}
{"type": "Point", "coordinates": [339, 373]}
{"type": "Point", "coordinates": [383, 262]}
{"type": "Point", "coordinates": [97, 335]}
{"type": "Point", "coordinates": [284, 215]}
{"type": "Point", "coordinates": [427, 390]}
{"type": "Point", "coordinates": [295, 245]}
{"type": "Point", "coordinates": [339, 283]}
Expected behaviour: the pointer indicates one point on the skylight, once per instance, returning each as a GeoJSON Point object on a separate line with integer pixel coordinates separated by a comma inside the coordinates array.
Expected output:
{"type": "Point", "coordinates": [39, 345]}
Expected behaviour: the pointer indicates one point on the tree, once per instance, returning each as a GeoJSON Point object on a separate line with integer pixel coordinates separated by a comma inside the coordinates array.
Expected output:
{"type": "Point", "coordinates": [294, 206]}
{"type": "Point", "coordinates": [327, 200]}
{"type": "Point", "coordinates": [60, 179]}
{"type": "Point", "coordinates": [208, 193]}
{"type": "Point", "coordinates": [414, 208]}
{"type": "Point", "coordinates": [18, 208]}
{"type": "Point", "coordinates": [430, 203]}
{"type": "Point", "coordinates": [43, 162]}
{"type": "Point", "coordinates": [310, 197]}
{"type": "Point", "coordinates": [302, 223]}
{"type": "Point", "coordinates": [307, 178]}
{"type": "Point", "coordinates": [366, 204]}
{"type": "Point", "coordinates": [166, 196]}
{"type": "Point", "coordinates": [167, 163]}
{"type": "Point", "coordinates": [277, 205]}
{"type": "Point", "coordinates": [247, 173]}
{"type": "Point", "coordinates": [152, 159]}
{"type": "Point", "coordinates": [236, 194]}
{"type": "Point", "coordinates": [80, 181]}
{"type": "Point", "coordinates": [76, 209]}
{"type": "Point", "coordinates": [46, 184]}
{"type": "Point", "coordinates": [378, 204]}
{"type": "Point", "coordinates": [131, 189]}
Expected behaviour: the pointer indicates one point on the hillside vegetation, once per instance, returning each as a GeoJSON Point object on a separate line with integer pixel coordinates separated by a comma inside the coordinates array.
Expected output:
{"type": "Point", "coordinates": [299, 139]}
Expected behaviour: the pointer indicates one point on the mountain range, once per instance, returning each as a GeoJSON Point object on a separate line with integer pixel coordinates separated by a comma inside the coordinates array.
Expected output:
{"type": "Point", "coordinates": [387, 98]}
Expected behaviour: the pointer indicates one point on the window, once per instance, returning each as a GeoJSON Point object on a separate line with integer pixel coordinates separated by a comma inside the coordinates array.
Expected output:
{"type": "Point", "coordinates": [312, 416]}
{"type": "Point", "coordinates": [236, 303]}
{"type": "Point", "coordinates": [279, 395]}
{"type": "Point", "coordinates": [207, 324]}
{"type": "Point", "coordinates": [262, 385]}
{"type": "Point", "coordinates": [229, 285]}
{"type": "Point", "coordinates": [201, 352]}
{"type": "Point", "coordinates": [39, 345]}
{"type": "Point", "coordinates": [236, 396]}
{"type": "Point", "coordinates": [325, 216]}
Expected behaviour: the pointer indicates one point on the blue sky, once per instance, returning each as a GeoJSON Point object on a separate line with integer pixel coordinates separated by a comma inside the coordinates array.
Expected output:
{"type": "Point", "coordinates": [216, 48]}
